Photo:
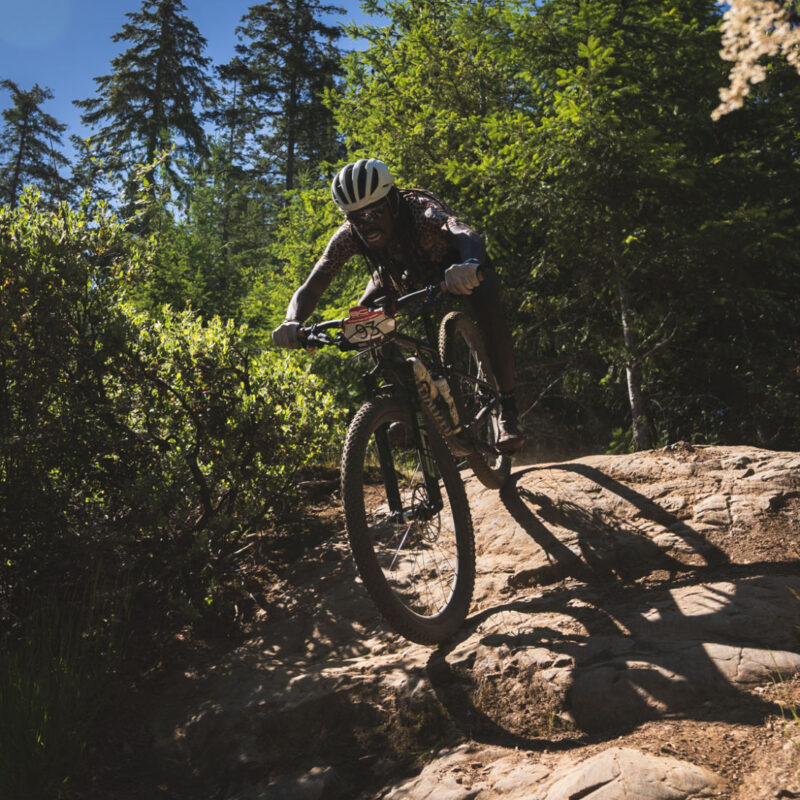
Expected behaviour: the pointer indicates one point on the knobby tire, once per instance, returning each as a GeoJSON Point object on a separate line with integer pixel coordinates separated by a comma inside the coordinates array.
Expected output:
{"type": "Point", "coordinates": [441, 548]}
{"type": "Point", "coordinates": [461, 346]}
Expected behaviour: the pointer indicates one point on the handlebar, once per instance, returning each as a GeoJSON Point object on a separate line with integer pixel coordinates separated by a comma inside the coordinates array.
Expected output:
{"type": "Point", "coordinates": [317, 335]}
{"type": "Point", "coordinates": [314, 335]}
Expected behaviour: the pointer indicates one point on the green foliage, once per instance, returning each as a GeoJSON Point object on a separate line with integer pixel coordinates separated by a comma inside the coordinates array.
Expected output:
{"type": "Point", "coordinates": [153, 442]}
{"type": "Point", "coordinates": [61, 278]}
{"type": "Point", "coordinates": [649, 255]}
{"type": "Point", "coordinates": [231, 431]}
{"type": "Point", "coordinates": [155, 446]}
{"type": "Point", "coordinates": [578, 139]}
{"type": "Point", "coordinates": [210, 258]}
{"type": "Point", "coordinates": [287, 57]}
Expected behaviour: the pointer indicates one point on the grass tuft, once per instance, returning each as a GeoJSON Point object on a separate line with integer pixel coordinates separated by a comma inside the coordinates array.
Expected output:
{"type": "Point", "coordinates": [57, 666]}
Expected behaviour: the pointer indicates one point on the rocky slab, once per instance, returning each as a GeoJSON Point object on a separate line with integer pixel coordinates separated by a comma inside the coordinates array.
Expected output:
{"type": "Point", "coordinates": [617, 598]}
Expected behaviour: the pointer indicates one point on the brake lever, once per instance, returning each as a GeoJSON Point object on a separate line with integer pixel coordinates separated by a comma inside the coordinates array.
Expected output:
{"type": "Point", "coordinates": [436, 294]}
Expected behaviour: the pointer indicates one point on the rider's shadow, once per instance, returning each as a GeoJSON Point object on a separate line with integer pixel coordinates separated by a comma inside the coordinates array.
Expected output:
{"type": "Point", "coordinates": [634, 650]}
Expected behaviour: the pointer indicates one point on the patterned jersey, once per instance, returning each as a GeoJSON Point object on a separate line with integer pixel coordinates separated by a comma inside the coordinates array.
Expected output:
{"type": "Point", "coordinates": [434, 231]}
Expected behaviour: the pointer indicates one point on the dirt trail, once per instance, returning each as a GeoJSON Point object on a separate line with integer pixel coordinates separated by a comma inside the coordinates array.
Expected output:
{"type": "Point", "coordinates": [634, 634]}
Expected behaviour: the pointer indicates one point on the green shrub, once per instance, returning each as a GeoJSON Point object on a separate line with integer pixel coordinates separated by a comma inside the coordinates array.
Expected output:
{"type": "Point", "coordinates": [129, 445]}
{"type": "Point", "coordinates": [148, 444]}
{"type": "Point", "coordinates": [225, 433]}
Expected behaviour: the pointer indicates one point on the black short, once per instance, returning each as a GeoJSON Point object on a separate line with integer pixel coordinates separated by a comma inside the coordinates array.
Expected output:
{"type": "Point", "coordinates": [488, 292]}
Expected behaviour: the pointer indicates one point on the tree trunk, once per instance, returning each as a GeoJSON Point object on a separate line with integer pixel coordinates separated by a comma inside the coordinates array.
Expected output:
{"type": "Point", "coordinates": [291, 118]}
{"type": "Point", "coordinates": [14, 188]}
{"type": "Point", "coordinates": [633, 369]}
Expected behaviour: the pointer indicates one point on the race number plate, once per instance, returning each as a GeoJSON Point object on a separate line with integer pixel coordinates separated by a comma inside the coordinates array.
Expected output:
{"type": "Point", "coordinates": [364, 326]}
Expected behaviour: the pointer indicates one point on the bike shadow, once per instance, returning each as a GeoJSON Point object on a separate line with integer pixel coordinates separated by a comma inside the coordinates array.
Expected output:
{"type": "Point", "coordinates": [608, 548]}
{"type": "Point", "coordinates": [630, 648]}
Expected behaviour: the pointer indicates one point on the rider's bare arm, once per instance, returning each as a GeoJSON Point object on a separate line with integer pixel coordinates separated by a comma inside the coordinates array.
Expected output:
{"type": "Point", "coordinates": [305, 299]}
{"type": "Point", "coordinates": [340, 249]}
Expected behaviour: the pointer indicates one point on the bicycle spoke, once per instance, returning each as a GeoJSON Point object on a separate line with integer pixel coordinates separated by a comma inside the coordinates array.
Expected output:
{"type": "Point", "coordinates": [399, 548]}
{"type": "Point", "coordinates": [415, 546]}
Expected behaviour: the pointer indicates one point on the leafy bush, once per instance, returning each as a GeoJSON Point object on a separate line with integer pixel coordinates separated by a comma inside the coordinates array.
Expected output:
{"type": "Point", "coordinates": [144, 449]}
{"type": "Point", "coordinates": [155, 445]}
{"type": "Point", "coordinates": [223, 433]}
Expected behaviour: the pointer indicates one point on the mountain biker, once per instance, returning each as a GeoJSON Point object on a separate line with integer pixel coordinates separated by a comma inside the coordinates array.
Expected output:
{"type": "Point", "coordinates": [410, 239]}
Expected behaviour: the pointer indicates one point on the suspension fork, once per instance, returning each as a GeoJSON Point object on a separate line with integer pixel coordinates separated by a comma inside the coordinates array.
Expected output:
{"type": "Point", "coordinates": [422, 443]}
{"type": "Point", "coordinates": [388, 472]}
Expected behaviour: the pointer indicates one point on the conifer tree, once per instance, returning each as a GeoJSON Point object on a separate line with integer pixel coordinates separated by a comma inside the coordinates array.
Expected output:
{"type": "Point", "coordinates": [287, 58]}
{"type": "Point", "coordinates": [28, 146]}
{"type": "Point", "coordinates": [235, 117]}
{"type": "Point", "coordinates": [149, 102]}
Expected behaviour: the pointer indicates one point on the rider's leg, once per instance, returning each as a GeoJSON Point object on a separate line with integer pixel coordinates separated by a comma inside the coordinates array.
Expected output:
{"type": "Point", "coordinates": [487, 309]}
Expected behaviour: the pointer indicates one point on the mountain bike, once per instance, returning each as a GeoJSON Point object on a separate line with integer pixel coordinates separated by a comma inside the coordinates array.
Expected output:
{"type": "Point", "coordinates": [432, 399]}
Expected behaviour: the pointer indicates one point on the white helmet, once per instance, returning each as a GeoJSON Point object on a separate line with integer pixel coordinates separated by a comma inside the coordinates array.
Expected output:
{"type": "Point", "coordinates": [361, 184]}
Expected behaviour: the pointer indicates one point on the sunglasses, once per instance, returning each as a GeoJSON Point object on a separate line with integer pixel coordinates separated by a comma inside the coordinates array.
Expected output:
{"type": "Point", "coordinates": [368, 214]}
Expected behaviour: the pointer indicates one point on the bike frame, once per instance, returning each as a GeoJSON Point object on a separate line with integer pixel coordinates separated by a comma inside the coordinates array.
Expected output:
{"type": "Point", "coordinates": [392, 367]}
{"type": "Point", "coordinates": [390, 364]}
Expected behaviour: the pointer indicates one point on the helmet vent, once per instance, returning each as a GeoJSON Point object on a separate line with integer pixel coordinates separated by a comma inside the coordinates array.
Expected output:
{"type": "Point", "coordinates": [361, 177]}
{"type": "Point", "coordinates": [348, 186]}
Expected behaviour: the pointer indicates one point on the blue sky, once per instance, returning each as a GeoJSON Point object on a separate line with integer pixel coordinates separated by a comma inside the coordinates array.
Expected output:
{"type": "Point", "coordinates": [64, 44]}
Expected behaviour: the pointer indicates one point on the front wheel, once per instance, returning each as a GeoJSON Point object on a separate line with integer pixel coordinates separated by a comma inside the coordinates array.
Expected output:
{"type": "Point", "coordinates": [410, 527]}
{"type": "Point", "coordinates": [474, 389]}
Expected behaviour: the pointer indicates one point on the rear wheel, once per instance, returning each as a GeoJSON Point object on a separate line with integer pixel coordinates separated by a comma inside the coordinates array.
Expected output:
{"type": "Point", "coordinates": [411, 536]}
{"type": "Point", "coordinates": [474, 389]}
